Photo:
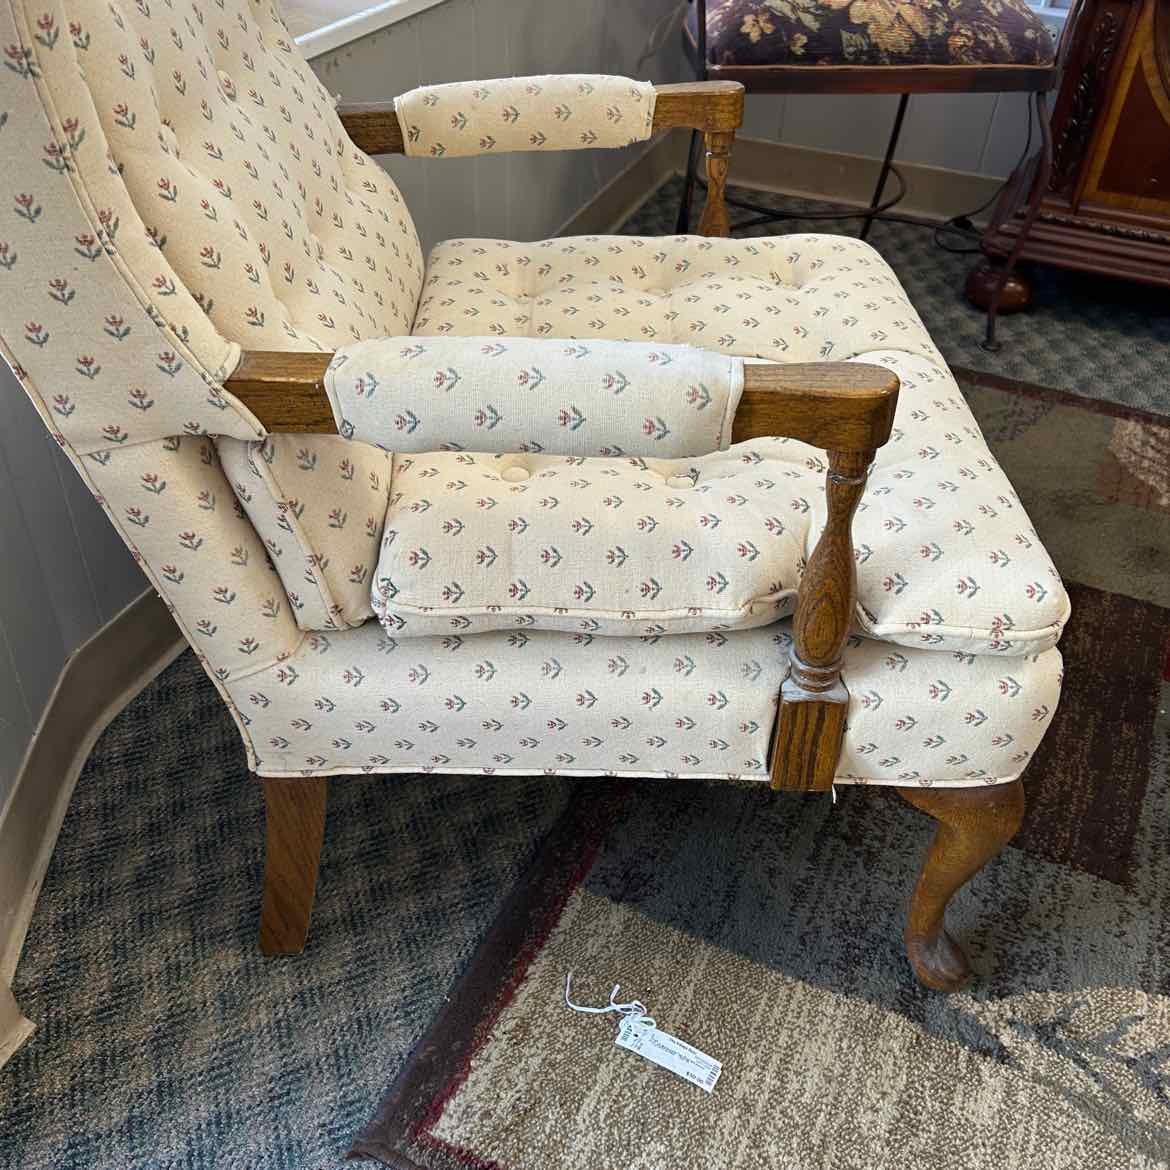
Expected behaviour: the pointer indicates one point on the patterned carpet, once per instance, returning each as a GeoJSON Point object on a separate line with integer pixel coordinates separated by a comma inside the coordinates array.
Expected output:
{"type": "Point", "coordinates": [165, 1041]}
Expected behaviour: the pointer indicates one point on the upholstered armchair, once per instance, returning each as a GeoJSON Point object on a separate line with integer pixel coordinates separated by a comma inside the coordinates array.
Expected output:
{"type": "Point", "coordinates": [582, 506]}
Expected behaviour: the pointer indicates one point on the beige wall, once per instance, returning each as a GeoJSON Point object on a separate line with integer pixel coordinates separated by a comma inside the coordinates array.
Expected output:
{"type": "Point", "coordinates": [519, 196]}
{"type": "Point", "coordinates": [979, 133]}
{"type": "Point", "coordinates": [65, 571]}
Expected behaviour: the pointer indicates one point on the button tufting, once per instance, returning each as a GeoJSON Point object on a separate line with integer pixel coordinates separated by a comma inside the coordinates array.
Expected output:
{"type": "Point", "coordinates": [680, 482]}
{"type": "Point", "coordinates": [515, 474]}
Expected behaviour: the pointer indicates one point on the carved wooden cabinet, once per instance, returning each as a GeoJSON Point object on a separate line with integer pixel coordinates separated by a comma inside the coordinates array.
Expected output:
{"type": "Point", "coordinates": [1107, 207]}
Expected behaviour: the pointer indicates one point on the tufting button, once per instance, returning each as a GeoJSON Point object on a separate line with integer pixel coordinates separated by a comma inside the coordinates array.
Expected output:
{"type": "Point", "coordinates": [680, 482]}
{"type": "Point", "coordinates": [514, 474]}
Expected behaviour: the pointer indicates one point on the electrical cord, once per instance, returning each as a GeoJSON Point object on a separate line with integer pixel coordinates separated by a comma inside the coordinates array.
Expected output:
{"type": "Point", "coordinates": [962, 225]}
{"type": "Point", "coordinates": [771, 214]}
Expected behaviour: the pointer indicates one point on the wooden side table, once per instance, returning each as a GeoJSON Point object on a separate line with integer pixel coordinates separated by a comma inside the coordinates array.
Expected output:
{"type": "Point", "coordinates": [1106, 207]}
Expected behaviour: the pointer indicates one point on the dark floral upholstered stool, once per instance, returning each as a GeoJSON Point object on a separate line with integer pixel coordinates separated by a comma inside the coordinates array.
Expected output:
{"type": "Point", "coordinates": [882, 46]}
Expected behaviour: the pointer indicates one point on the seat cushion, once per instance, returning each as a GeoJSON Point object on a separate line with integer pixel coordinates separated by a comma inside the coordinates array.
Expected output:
{"type": "Point", "coordinates": [946, 555]}
{"type": "Point", "coordinates": [873, 32]}
{"type": "Point", "coordinates": [696, 705]}
{"type": "Point", "coordinates": [798, 298]}
{"type": "Point", "coordinates": [608, 546]}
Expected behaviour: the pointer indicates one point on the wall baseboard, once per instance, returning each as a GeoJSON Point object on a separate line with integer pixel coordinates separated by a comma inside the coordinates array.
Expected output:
{"type": "Point", "coordinates": [933, 194]}
{"type": "Point", "coordinates": [97, 681]}
{"type": "Point", "coordinates": [626, 191]}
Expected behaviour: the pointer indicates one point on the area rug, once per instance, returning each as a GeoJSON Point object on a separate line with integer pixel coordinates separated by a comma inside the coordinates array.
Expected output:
{"type": "Point", "coordinates": [764, 929]}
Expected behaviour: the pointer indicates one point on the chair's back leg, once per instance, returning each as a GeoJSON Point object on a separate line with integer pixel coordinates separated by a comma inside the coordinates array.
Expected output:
{"type": "Point", "coordinates": [295, 820]}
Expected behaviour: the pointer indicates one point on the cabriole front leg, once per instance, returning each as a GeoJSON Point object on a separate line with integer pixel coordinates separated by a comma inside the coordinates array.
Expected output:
{"type": "Point", "coordinates": [974, 824]}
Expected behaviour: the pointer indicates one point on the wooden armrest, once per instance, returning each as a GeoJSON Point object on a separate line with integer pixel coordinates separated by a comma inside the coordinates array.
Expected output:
{"type": "Point", "coordinates": [698, 105]}
{"type": "Point", "coordinates": [838, 406]}
{"type": "Point", "coordinates": [372, 126]}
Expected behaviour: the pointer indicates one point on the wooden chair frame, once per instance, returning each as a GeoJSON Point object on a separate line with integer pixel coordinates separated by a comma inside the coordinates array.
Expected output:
{"type": "Point", "coordinates": [845, 408]}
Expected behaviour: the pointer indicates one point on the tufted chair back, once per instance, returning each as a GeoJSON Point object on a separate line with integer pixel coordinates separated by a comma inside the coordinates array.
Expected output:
{"type": "Point", "coordinates": [178, 186]}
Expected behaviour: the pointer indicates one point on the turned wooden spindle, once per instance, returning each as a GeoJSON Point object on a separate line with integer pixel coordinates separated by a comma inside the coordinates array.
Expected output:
{"type": "Point", "coordinates": [813, 699]}
{"type": "Point", "coordinates": [714, 221]}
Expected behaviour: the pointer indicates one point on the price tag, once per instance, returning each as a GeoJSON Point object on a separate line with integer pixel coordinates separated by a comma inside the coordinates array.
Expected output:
{"type": "Point", "coordinates": [663, 1049]}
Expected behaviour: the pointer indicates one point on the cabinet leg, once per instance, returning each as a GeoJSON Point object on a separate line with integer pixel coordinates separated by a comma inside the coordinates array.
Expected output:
{"type": "Point", "coordinates": [983, 281]}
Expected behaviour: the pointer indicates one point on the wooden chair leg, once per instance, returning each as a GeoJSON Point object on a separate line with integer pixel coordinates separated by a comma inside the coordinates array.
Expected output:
{"type": "Point", "coordinates": [295, 821]}
{"type": "Point", "coordinates": [974, 824]}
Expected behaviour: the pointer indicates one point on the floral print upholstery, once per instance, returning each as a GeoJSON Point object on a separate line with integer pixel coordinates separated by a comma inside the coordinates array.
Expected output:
{"type": "Point", "coordinates": [947, 557]}
{"type": "Point", "coordinates": [606, 546]}
{"type": "Point", "coordinates": [172, 505]}
{"type": "Point", "coordinates": [407, 394]}
{"type": "Point", "coordinates": [570, 111]}
{"type": "Point", "coordinates": [692, 705]}
{"type": "Point", "coordinates": [873, 32]}
{"type": "Point", "coordinates": [319, 509]}
{"type": "Point", "coordinates": [178, 187]}
{"type": "Point", "coordinates": [174, 214]}
{"type": "Point", "coordinates": [778, 298]}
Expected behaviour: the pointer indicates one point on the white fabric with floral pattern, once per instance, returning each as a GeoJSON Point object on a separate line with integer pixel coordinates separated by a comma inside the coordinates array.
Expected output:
{"type": "Point", "coordinates": [568, 111]}
{"type": "Point", "coordinates": [606, 546]}
{"type": "Point", "coordinates": [409, 394]}
{"type": "Point", "coordinates": [319, 510]}
{"type": "Point", "coordinates": [181, 188]}
{"type": "Point", "coordinates": [947, 558]}
{"type": "Point", "coordinates": [696, 705]}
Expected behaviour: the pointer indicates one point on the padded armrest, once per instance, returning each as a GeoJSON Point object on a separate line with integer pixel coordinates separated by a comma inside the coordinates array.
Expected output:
{"type": "Point", "coordinates": [570, 111]}
{"type": "Point", "coordinates": [579, 398]}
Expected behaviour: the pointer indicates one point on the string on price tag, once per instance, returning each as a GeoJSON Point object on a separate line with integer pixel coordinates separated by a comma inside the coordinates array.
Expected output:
{"type": "Point", "coordinates": [638, 1032]}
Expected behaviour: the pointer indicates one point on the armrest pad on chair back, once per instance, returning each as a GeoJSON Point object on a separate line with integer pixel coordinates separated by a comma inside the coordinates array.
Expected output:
{"type": "Point", "coordinates": [570, 111]}
{"type": "Point", "coordinates": [581, 398]}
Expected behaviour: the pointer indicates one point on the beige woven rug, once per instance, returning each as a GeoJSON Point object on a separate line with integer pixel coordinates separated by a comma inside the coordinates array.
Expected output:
{"type": "Point", "coordinates": [765, 929]}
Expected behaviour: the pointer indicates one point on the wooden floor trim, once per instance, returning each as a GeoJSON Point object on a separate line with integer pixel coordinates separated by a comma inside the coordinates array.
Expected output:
{"type": "Point", "coordinates": [934, 194]}
{"type": "Point", "coordinates": [97, 682]}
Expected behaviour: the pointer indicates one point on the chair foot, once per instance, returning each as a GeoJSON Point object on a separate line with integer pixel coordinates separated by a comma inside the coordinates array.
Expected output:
{"type": "Point", "coordinates": [295, 826]}
{"type": "Point", "coordinates": [974, 824]}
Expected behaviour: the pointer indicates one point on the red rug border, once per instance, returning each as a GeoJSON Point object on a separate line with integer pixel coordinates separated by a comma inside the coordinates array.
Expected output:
{"type": "Point", "coordinates": [1059, 397]}
{"type": "Point", "coordinates": [417, 1092]}
{"type": "Point", "coordinates": [564, 858]}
